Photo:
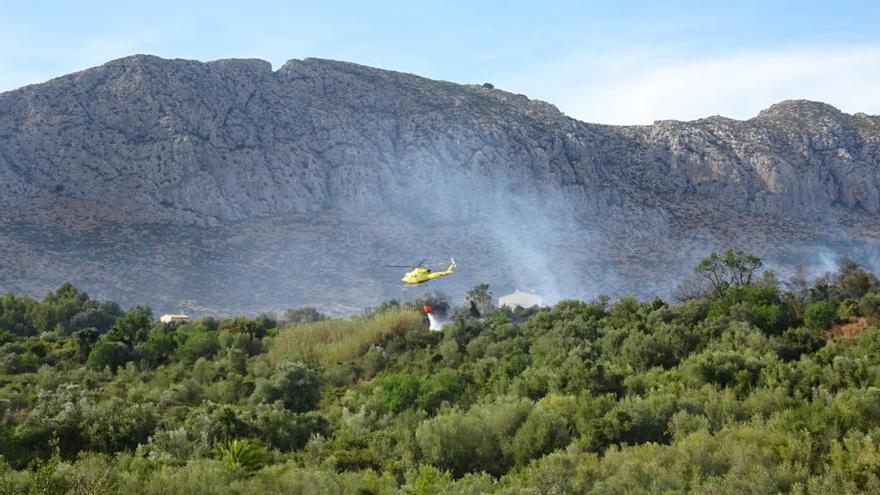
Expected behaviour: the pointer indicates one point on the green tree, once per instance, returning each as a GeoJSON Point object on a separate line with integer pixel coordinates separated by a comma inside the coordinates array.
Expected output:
{"type": "Point", "coordinates": [100, 318]}
{"type": "Point", "coordinates": [133, 327]}
{"type": "Point", "coordinates": [854, 281]}
{"type": "Point", "coordinates": [83, 341]}
{"type": "Point", "coordinates": [733, 268]}
{"type": "Point", "coordinates": [481, 298]}
{"type": "Point", "coordinates": [794, 342]}
{"type": "Point", "coordinates": [16, 314]}
{"type": "Point", "coordinates": [160, 346]}
{"type": "Point", "coordinates": [58, 308]}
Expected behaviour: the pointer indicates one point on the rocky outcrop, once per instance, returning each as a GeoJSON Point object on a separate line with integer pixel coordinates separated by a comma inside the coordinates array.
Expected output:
{"type": "Point", "coordinates": [178, 144]}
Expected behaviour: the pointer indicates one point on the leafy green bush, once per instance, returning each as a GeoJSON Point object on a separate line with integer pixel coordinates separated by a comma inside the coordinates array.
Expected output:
{"type": "Point", "coordinates": [444, 386]}
{"type": "Point", "coordinates": [108, 353]}
{"type": "Point", "coordinates": [198, 345]}
{"type": "Point", "coordinates": [869, 306]}
{"type": "Point", "coordinates": [428, 480]}
{"type": "Point", "coordinates": [820, 315]}
{"type": "Point", "coordinates": [116, 425]}
{"type": "Point", "coordinates": [796, 342]}
{"type": "Point", "coordinates": [160, 346]}
{"type": "Point", "coordinates": [459, 443]}
{"type": "Point", "coordinates": [399, 391]}
{"type": "Point", "coordinates": [758, 304]}
{"type": "Point", "coordinates": [293, 384]}
{"type": "Point", "coordinates": [544, 431]}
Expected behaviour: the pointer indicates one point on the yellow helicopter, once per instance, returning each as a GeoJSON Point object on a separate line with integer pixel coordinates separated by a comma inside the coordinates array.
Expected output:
{"type": "Point", "coordinates": [421, 274]}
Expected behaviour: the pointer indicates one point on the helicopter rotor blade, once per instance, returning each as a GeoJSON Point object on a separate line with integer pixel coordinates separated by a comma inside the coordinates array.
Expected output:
{"type": "Point", "coordinates": [420, 264]}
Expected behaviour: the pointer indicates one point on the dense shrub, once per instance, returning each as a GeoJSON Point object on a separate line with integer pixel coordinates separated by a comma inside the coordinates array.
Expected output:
{"type": "Point", "coordinates": [820, 315]}
{"type": "Point", "coordinates": [545, 430]}
{"type": "Point", "coordinates": [195, 345]}
{"type": "Point", "coordinates": [293, 384]}
{"type": "Point", "coordinates": [458, 442]}
{"type": "Point", "coordinates": [757, 304]}
{"type": "Point", "coordinates": [795, 342]}
{"type": "Point", "coordinates": [869, 306]}
{"type": "Point", "coordinates": [109, 353]}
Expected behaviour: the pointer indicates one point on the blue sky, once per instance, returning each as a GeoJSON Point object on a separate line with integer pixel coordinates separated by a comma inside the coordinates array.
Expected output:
{"type": "Point", "coordinates": [612, 62]}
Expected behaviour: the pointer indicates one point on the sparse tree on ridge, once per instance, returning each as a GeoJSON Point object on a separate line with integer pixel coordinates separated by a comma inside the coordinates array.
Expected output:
{"type": "Point", "coordinates": [732, 268]}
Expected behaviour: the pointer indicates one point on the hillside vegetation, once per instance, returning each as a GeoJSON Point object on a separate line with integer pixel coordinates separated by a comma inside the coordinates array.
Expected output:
{"type": "Point", "coordinates": [746, 385]}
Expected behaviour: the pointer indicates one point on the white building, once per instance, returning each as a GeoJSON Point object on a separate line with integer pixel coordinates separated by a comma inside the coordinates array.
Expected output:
{"type": "Point", "coordinates": [171, 318]}
{"type": "Point", "coordinates": [520, 298]}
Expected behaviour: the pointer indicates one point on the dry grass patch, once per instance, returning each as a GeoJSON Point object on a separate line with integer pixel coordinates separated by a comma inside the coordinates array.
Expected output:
{"type": "Point", "coordinates": [849, 330]}
{"type": "Point", "coordinates": [335, 341]}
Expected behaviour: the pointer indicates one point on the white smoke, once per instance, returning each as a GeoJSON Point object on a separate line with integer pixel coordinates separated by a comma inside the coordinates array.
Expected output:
{"type": "Point", "coordinates": [436, 324]}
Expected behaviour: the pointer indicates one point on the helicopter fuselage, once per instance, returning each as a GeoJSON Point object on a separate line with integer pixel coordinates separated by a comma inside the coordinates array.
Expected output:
{"type": "Point", "coordinates": [421, 275]}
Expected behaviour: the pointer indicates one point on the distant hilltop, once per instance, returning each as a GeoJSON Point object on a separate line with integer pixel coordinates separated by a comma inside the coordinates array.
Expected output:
{"type": "Point", "coordinates": [227, 186]}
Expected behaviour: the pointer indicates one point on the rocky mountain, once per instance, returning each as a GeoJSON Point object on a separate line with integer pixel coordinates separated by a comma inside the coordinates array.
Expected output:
{"type": "Point", "coordinates": [227, 187]}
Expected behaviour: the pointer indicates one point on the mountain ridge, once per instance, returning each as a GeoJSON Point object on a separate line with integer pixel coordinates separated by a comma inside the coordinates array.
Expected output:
{"type": "Point", "coordinates": [218, 149]}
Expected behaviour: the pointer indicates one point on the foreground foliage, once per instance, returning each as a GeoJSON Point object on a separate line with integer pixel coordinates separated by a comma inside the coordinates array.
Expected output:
{"type": "Point", "coordinates": [745, 388]}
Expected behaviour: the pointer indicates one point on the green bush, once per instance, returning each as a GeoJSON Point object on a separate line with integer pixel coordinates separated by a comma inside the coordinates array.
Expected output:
{"type": "Point", "coordinates": [14, 359]}
{"type": "Point", "coordinates": [869, 306]}
{"type": "Point", "coordinates": [428, 480]}
{"type": "Point", "coordinates": [295, 385]}
{"type": "Point", "coordinates": [759, 305]}
{"type": "Point", "coordinates": [108, 353]}
{"type": "Point", "coordinates": [159, 347]}
{"type": "Point", "coordinates": [116, 425]}
{"type": "Point", "coordinates": [796, 342]}
{"type": "Point", "coordinates": [196, 344]}
{"type": "Point", "coordinates": [399, 391]}
{"type": "Point", "coordinates": [444, 386]}
{"type": "Point", "coordinates": [820, 315]}
{"type": "Point", "coordinates": [544, 431]}
{"type": "Point", "coordinates": [459, 443]}
{"type": "Point", "coordinates": [727, 368]}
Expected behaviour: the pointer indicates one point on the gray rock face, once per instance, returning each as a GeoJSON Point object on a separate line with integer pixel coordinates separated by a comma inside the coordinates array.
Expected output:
{"type": "Point", "coordinates": [210, 151]}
